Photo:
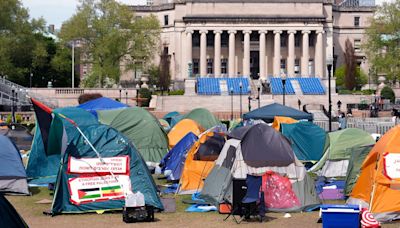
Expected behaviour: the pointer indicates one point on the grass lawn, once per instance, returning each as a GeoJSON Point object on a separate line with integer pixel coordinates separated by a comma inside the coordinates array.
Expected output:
{"type": "Point", "coordinates": [33, 215]}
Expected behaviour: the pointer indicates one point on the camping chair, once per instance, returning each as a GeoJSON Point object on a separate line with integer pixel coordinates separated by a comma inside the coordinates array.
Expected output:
{"type": "Point", "coordinates": [252, 203]}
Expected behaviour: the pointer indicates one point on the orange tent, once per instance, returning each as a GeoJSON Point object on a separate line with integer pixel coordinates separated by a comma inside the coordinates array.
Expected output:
{"type": "Point", "coordinates": [379, 183]}
{"type": "Point", "coordinates": [195, 171]}
{"type": "Point", "coordinates": [181, 129]}
{"type": "Point", "coordinates": [278, 120]}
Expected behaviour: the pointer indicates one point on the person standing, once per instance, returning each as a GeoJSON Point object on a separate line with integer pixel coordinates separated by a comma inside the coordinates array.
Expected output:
{"type": "Point", "coordinates": [342, 121]}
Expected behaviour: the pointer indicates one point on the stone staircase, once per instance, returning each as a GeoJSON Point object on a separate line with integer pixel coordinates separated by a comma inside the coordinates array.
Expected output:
{"type": "Point", "coordinates": [296, 87]}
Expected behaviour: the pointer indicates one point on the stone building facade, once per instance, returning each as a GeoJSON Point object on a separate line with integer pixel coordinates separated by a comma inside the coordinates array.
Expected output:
{"type": "Point", "coordinates": [258, 38]}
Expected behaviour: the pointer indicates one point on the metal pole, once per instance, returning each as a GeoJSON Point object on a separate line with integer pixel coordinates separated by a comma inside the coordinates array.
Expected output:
{"type": "Point", "coordinates": [259, 98]}
{"type": "Point", "coordinates": [30, 80]}
{"type": "Point", "coordinates": [120, 97]}
{"type": "Point", "coordinates": [240, 87]}
{"type": "Point", "coordinates": [249, 103]}
{"type": "Point", "coordinates": [231, 104]}
{"type": "Point", "coordinates": [329, 98]}
{"type": "Point", "coordinates": [283, 88]}
{"type": "Point", "coordinates": [126, 97]}
{"type": "Point", "coordinates": [12, 106]}
{"type": "Point", "coordinates": [73, 65]}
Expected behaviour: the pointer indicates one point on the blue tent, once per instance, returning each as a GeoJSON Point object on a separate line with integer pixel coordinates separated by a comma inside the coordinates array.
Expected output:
{"type": "Point", "coordinates": [173, 118]}
{"type": "Point", "coordinates": [102, 103]}
{"type": "Point", "coordinates": [172, 163]}
{"type": "Point", "coordinates": [307, 139]}
{"type": "Point", "coordinates": [268, 112]}
{"type": "Point", "coordinates": [12, 171]}
{"type": "Point", "coordinates": [42, 169]}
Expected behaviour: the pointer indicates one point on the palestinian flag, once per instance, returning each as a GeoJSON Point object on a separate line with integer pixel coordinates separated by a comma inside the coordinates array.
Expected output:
{"type": "Point", "coordinates": [112, 191]}
{"type": "Point", "coordinates": [43, 120]}
{"type": "Point", "coordinates": [89, 193]}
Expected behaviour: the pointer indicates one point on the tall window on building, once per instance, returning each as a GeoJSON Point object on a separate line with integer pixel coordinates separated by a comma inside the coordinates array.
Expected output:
{"type": "Point", "coordinates": [210, 39]}
{"type": "Point", "coordinates": [166, 22]}
{"type": "Point", "coordinates": [224, 64]}
{"type": "Point", "coordinates": [297, 40]}
{"type": "Point", "coordinates": [297, 66]}
{"type": "Point", "coordinates": [283, 40]}
{"type": "Point", "coordinates": [357, 45]}
{"type": "Point", "coordinates": [196, 66]}
{"type": "Point", "coordinates": [224, 39]}
{"type": "Point", "coordinates": [356, 21]}
{"type": "Point", "coordinates": [196, 39]}
{"type": "Point", "coordinates": [210, 66]}
{"type": "Point", "coordinates": [311, 40]}
{"type": "Point", "coordinates": [283, 66]}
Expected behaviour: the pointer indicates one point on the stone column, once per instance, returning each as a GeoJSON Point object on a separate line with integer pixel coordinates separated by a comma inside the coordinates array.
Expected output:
{"type": "Point", "coordinates": [291, 54]}
{"type": "Point", "coordinates": [319, 53]}
{"type": "Point", "coordinates": [277, 53]}
{"type": "Point", "coordinates": [217, 53]}
{"type": "Point", "coordinates": [189, 55]}
{"type": "Point", "coordinates": [263, 67]}
{"type": "Point", "coordinates": [306, 56]}
{"type": "Point", "coordinates": [231, 60]}
{"type": "Point", "coordinates": [203, 53]}
{"type": "Point", "coordinates": [246, 54]}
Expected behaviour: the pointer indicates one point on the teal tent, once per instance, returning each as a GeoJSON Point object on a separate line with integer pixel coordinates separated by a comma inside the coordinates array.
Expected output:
{"type": "Point", "coordinates": [142, 128]}
{"type": "Point", "coordinates": [42, 168]}
{"type": "Point", "coordinates": [203, 117]}
{"type": "Point", "coordinates": [172, 118]}
{"type": "Point", "coordinates": [82, 188]}
{"type": "Point", "coordinates": [307, 139]}
{"type": "Point", "coordinates": [268, 112]}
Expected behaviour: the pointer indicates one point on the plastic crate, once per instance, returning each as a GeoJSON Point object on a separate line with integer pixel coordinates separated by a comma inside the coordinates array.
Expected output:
{"type": "Point", "coordinates": [340, 216]}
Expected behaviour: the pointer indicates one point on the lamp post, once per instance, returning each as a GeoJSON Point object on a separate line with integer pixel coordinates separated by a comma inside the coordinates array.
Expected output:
{"type": "Point", "coordinates": [284, 88]}
{"type": "Point", "coordinates": [299, 103]}
{"type": "Point", "coordinates": [329, 68]}
{"type": "Point", "coordinates": [258, 95]}
{"type": "Point", "coordinates": [30, 79]}
{"type": "Point", "coordinates": [73, 65]}
{"type": "Point", "coordinates": [120, 91]}
{"type": "Point", "coordinates": [126, 96]}
{"type": "Point", "coordinates": [12, 106]}
{"type": "Point", "coordinates": [240, 95]}
{"type": "Point", "coordinates": [339, 104]}
{"type": "Point", "coordinates": [231, 92]}
{"type": "Point", "coordinates": [137, 94]}
{"type": "Point", "coordinates": [249, 98]}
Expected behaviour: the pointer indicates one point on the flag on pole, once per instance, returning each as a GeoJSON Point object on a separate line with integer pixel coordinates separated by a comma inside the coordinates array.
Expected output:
{"type": "Point", "coordinates": [43, 120]}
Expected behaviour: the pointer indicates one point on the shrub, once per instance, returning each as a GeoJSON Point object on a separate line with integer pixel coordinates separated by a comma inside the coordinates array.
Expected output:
{"type": "Point", "coordinates": [88, 97]}
{"type": "Point", "coordinates": [387, 93]}
{"type": "Point", "coordinates": [18, 118]}
{"type": "Point", "coordinates": [176, 92]}
{"type": "Point", "coordinates": [145, 93]}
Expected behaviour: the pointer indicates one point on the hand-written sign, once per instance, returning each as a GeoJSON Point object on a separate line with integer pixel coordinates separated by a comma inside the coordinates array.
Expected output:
{"type": "Point", "coordinates": [117, 165]}
{"type": "Point", "coordinates": [98, 188]}
{"type": "Point", "coordinates": [392, 165]}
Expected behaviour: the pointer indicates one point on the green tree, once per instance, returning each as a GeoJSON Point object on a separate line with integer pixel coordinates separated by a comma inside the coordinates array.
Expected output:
{"type": "Point", "coordinates": [111, 35]}
{"type": "Point", "coordinates": [382, 42]}
{"type": "Point", "coordinates": [360, 77]}
{"type": "Point", "coordinates": [387, 93]}
{"type": "Point", "coordinates": [165, 76]}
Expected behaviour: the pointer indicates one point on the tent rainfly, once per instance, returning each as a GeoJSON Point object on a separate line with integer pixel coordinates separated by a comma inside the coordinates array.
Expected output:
{"type": "Point", "coordinates": [268, 112]}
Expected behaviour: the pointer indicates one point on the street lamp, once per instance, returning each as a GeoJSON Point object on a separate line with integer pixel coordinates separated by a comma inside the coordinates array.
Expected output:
{"type": "Point", "coordinates": [73, 65]}
{"type": "Point", "coordinates": [240, 95]}
{"type": "Point", "coordinates": [299, 103]}
{"type": "Point", "coordinates": [284, 88]}
{"type": "Point", "coordinates": [231, 92]}
{"type": "Point", "coordinates": [339, 103]}
{"type": "Point", "coordinates": [12, 105]}
{"type": "Point", "coordinates": [120, 91]}
{"type": "Point", "coordinates": [258, 95]}
{"type": "Point", "coordinates": [249, 97]}
{"type": "Point", "coordinates": [126, 96]}
{"type": "Point", "coordinates": [137, 94]}
{"type": "Point", "coordinates": [329, 68]}
{"type": "Point", "coordinates": [30, 80]}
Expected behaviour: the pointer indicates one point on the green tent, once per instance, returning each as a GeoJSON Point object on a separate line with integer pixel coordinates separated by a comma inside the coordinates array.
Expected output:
{"type": "Point", "coordinates": [142, 128]}
{"type": "Point", "coordinates": [203, 117]}
{"type": "Point", "coordinates": [81, 187]}
{"type": "Point", "coordinates": [307, 140]}
{"type": "Point", "coordinates": [358, 155]}
{"type": "Point", "coordinates": [335, 160]}
{"type": "Point", "coordinates": [42, 168]}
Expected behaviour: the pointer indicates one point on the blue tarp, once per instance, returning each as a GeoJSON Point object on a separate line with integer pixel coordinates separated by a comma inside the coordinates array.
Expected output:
{"type": "Point", "coordinates": [172, 163]}
{"type": "Point", "coordinates": [10, 162]}
{"type": "Point", "coordinates": [268, 112]}
{"type": "Point", "coordinates": [102, 103]}
{"type": "Point", "coordinates": [307, 139]}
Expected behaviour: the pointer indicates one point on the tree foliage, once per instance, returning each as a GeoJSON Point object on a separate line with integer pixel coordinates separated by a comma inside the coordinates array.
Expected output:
{"type": "Point", "coordinates": [165, 76]}
{"type": "Point", "coordinates": [110, 34]}
{"type": "Point", "coordinates": [382, 43]}
{"type": "Point", "coordinates": [350, 66]}
{"type": "Point", "coordinates": [387, 93]}
{"type": "Point", "coordinates": [26, 50]}
{"type": "Point", "coordinates": [360, 76]}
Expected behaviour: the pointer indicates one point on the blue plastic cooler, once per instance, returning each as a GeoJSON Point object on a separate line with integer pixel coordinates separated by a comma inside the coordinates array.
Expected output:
{"type": "Point", "coordinates": [340, 216]}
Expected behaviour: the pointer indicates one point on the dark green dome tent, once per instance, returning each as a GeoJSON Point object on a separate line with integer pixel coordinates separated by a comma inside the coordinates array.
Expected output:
{"type": "Point", "coordinates": [142, 128]}
{"type": "Point", "coordinates": [203, 117]}
{"type": "Point", "coordinates": [82, 188]}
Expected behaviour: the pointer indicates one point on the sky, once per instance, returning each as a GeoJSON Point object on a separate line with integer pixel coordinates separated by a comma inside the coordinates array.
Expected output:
{"type": "Point", "coordinates": [57, 11]}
